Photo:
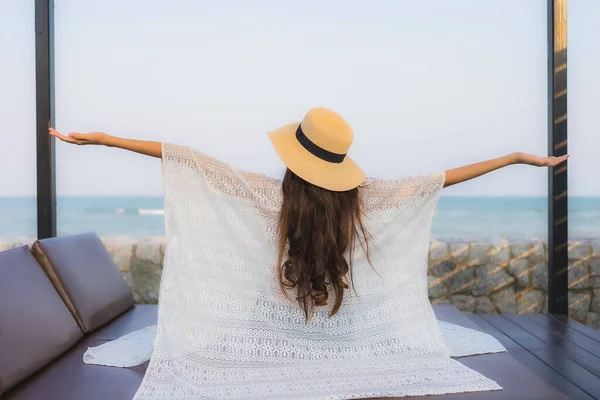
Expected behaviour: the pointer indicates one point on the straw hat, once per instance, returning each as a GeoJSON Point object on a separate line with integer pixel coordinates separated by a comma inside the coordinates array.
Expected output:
{"type": "Point", "coordinates": [315, 150]}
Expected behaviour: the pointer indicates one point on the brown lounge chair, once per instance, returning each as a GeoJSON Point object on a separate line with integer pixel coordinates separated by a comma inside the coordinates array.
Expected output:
{"type": "Point", "coordinates": [66, 294]}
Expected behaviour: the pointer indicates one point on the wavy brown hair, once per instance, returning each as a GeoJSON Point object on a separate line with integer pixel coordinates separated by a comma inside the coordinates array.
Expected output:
{"type": "Point", "coordinates": [321, 228]}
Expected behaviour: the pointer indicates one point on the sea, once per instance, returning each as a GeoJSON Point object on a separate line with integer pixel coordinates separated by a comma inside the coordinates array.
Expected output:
{"type": "Point", "coordinates": [455, 217]}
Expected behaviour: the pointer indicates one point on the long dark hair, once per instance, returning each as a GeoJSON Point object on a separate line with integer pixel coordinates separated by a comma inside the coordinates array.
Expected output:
{"type": "Point", "coordinates": [322, 229]}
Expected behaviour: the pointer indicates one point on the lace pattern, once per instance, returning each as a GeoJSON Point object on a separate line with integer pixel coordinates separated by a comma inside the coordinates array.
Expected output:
{"type": "Point", "coordinates": [136, 348]}
{"type": "Point", "coordinates": [464, 342]}
{"type": "Point", "coordinates": [128, 351]}
{"type": "Point", "coordinates": [226, 331]}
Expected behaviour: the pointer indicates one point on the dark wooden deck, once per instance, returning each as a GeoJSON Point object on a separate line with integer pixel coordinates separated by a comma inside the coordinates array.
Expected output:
{"type": "Point", "coordinates": [549, 357]}
{"type": "Point", "coordinates": [560, 351]}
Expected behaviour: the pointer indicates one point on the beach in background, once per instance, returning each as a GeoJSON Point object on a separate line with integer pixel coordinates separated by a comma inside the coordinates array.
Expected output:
{"type": "Point", "coordinates": [455, 217]}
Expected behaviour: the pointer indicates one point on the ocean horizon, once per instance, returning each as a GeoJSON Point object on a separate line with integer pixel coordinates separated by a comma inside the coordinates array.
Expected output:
{"type": "Point", "coordinates": [455, 216]}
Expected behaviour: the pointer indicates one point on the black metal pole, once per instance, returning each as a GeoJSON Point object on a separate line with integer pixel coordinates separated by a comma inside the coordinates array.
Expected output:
{"type": "Point", "coordinates": [558, 301]}
{"type": "Point", "coordinates": [44, 87]}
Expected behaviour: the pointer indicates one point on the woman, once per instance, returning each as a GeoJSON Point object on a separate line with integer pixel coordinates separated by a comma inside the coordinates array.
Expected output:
{"type": "Point", "coordinates": [310, 287]}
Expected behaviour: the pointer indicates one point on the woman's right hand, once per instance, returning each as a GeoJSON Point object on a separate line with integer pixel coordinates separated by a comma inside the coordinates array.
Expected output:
{"type": "Point", "coordinates": [152, 149]}
{"type": "Point", "coordinates": [80, 138]}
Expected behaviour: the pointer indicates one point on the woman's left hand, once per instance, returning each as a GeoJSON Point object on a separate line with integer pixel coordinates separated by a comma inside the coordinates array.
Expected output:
{"type": "Point", "coordinates": [537, 161]}
{"type": "Point", "coordinates": [462, 174]}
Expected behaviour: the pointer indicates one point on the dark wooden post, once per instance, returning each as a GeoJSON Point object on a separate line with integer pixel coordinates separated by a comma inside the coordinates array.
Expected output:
{"type": "Point", "coordinates": [44, 87]}
{"type": "Point", "coordinates": [558, 282]}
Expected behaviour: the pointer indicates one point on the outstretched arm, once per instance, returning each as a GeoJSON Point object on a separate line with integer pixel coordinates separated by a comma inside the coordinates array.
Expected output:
{"type": "Point", "coordinates": [462, 174]}
{"type": "Point", "coordinates": [153, 149]}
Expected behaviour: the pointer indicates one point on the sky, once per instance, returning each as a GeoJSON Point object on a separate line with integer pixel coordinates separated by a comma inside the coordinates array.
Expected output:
{"type": "Point", "coordinates": [426, 85]}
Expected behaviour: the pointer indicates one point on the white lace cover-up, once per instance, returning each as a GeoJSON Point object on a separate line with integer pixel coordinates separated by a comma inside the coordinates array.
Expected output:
{"type": "Point", "coordinates": [225, 330]}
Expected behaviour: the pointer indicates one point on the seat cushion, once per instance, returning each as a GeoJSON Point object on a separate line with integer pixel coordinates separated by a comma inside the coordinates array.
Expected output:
{"type": "Point", "coordinates": [35, 325]}
{"type": "Point", "coordinates": [86, 277]}
{"type": "Point", "coordinates": [139, 317]}
{"type": "Point", "coordinates": [68, 378]}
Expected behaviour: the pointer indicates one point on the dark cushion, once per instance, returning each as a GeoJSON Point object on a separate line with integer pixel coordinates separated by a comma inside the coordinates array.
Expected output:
{"type": "Point", "coordinates": [86, 277]}
{"type": "Point", "coordinates": [68, 378]}
{"type": "Point", "coordinates": [35, 325]}
{"type": "Point", "coordinates": [139, 317]}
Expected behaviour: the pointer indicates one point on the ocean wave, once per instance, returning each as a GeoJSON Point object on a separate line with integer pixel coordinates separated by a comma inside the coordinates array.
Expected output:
{"type": "Point", "coordinates": [454, 213]}
{"type": "Point", "coordinates": [585, 214]}
{"type": "Point", "coordinates": [491, 213]}
{"type": "Point", "coordinates": [140, 211]}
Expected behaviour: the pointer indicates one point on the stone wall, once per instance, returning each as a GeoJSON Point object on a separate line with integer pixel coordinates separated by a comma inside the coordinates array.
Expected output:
{"type": "Point", "coordinates": [488, 276]}
{"type": "Point", "coordinates": [140, 263]}
{"type": "Point", "coordinates": [502, 276]}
